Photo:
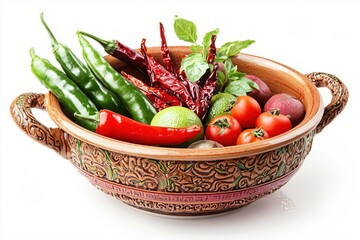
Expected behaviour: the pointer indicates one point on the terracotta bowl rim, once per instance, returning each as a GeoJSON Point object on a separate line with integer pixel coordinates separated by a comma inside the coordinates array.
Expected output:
{"type": "Point", "coordinates": [312, 118]}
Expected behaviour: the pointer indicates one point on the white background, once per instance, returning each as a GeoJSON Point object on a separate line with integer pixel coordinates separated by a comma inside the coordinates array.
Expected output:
{"type": "Point", "coordinates": [44, 197]}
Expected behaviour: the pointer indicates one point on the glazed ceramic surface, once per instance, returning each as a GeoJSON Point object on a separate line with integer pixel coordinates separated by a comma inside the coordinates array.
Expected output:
{"type": "Point", "coordinates": [190, 181]}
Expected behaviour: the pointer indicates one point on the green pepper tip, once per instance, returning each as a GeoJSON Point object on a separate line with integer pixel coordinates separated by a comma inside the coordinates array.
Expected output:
{"type": "Point", "coordinates": [79, 33]}
{"type": "Point", "coordinates": [32, 52]}
{"type": "Point", "coordinates": [54, 42]}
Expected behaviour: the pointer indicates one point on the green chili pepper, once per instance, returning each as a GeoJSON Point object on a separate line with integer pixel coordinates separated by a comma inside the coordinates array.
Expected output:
{"type": "Point", "coordinates": [70, 96]}
{"type": "Point", "coordinates": [78, 72]}
{"type": "Point", "coordinates": [139, 107]}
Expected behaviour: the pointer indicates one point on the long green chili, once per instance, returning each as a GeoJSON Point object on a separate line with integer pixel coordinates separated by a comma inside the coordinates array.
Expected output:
{"type": "Point", "coordinates": [78, 72]}
{"type": "Point", "coordinates": [139, 107]}
{"type": "Point", "coordinates": [70, 96]}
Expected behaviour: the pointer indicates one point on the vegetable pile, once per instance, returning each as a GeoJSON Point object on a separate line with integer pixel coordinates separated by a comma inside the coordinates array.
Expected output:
{"type": "Point", "coordinates": [234, 107]}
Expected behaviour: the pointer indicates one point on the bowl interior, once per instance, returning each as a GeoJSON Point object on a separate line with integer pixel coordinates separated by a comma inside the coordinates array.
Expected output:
{"type": "Point", "coordinates": [279, 78]}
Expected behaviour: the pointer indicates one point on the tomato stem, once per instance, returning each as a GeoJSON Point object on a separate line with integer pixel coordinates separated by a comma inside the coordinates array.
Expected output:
{"type": "Point", "coordinates": [223, 124]}
{"type": "Point", "coordinates": [258, 133]}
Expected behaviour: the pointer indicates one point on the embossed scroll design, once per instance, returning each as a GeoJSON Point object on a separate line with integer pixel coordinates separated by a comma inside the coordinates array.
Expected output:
{"type": "Point", "coordinates": [187, 208]}
{"type": "Point", "coordinates": [186, 203]}
{"type": "Point", "coordinates": [193, 176]}
{"type": "Point", "coordinates": [20, 110]}
{"type": "Point", "coordinates": [339, 92]}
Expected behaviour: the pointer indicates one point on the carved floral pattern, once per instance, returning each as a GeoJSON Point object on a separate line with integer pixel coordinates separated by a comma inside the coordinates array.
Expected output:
{"type": "Point", "coordinates": [193, 176]}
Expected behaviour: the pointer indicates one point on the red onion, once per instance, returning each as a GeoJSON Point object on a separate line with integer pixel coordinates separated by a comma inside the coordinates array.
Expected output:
{"type": "Point", "coordinates": [288, 105]}
{"type": "Point", "coordinates": [221, 67]}
{"type": "Point", "coordinates": [263, 94]}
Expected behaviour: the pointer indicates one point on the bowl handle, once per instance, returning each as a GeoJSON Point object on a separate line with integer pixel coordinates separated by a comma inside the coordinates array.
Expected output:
{"type": "Point", "coordinates": [339, 92]}
{"type": "Point", "coordinates": [53, 138]}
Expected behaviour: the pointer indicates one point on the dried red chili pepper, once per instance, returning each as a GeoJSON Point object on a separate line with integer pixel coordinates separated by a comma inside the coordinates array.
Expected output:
{"type": "Point", "coordinates": [192, 88]}
{"type": "Point", "coordinates": [204, 100]}
{"type": "Point", "coordinates": [158, 97]}
{"type": "Point", "coordinates": [212, 50]}
{"type": "Point", "coordinates": [121, 52]}
{"type": "Point", "coordinates": [210, 60]}
{"type": "Point", "coordinates": [162, 78]}
{"type": "Point", "coordinates": [129, 56]}
{"type": "Point", "coordinates": [169, 65]}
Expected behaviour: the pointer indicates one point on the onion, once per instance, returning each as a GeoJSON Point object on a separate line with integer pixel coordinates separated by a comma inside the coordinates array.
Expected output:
{"type": "Point", "coordinates": [288, 105]}
{"type": "Point", "coordinates": [221, 67]}
{"type": "Point", "coordinates": [205, 144]}
{"type": "Point", "coordinates": [263, 94]}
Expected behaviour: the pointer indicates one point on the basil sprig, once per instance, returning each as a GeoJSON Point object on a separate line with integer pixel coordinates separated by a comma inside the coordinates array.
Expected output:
{"type": "Point", "coordinates": [195, 64]}
{"type": "Point", "coordinates": [233, 81]}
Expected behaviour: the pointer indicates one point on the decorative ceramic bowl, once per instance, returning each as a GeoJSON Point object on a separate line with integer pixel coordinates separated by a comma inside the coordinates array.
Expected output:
{"type": "Point", "coordinates": [179, 181]}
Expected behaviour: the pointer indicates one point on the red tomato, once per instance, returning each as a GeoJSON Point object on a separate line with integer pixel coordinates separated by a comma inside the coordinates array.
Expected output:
{"type": "Point", "coordinates": [223, 129]}
{"type": "Point", "coordinates": [246, 110]}
{"type": "Point", "coordinates": [273, 122]}
{"type": "Point", "coordinates": [252, 135]}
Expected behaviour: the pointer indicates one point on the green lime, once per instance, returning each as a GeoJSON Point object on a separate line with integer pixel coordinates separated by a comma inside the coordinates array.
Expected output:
{"type": "Point", "coordinates": [178, 117]}
{"type": "Point", "coordinates": [221, 103]}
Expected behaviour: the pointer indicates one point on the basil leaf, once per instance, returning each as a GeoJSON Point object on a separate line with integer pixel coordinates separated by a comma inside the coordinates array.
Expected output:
{"type": "Point", "coordinates": [251, 83]}
{"type": "Point", "coordinates": [230, 49]}
{"type": "Point", "coordinates": [207, 38]}
{"type": "Point", "coordinates": [196, 48]}
{"type": "Point", "coordinates": [194, 66]}
{"type": "Point", "coordinates": [220, 58]}
{"type": "Point", "coordinates": [238, 76]}
{"type": "Point", "coordinates": [228, 65]}
{"type": "Point", "coordinates": [185, 30]}
{"type": "Point", "coordinates": [238, 88]}
{"type": "Point", "coordinates": [221, 80]}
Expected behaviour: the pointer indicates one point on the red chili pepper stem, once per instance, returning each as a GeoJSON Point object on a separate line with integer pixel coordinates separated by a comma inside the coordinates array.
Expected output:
{"type": "Point", "coordinates": [95, 118]}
